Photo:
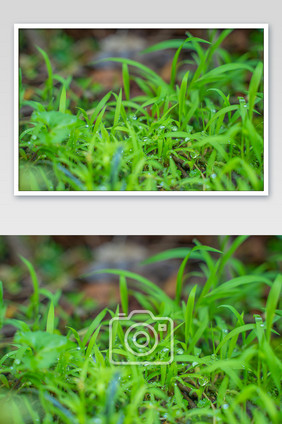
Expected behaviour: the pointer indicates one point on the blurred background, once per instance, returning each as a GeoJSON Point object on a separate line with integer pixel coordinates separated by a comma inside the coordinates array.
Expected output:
{"type": "Point", "coordinates": [61, 263]}
{"type": "Point", "coordinates": [76, 53]}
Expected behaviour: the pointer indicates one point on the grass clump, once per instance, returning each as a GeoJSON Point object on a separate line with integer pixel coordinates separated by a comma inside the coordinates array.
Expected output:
{"type": "Point", "coordinates": [226, 366]}
{"type": "Point", "coordinates": [200, 131]}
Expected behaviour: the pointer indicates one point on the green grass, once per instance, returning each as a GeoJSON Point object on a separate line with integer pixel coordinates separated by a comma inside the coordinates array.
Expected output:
{"type": "Point", "coordinates": [200, 131]}
{"type": "Point", "coordinates": [226, 366]}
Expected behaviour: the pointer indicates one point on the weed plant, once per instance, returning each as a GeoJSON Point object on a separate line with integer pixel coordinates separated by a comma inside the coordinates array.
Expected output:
{"type": "Point", "coordinates": [200, 131]}
{"type": "Point", "coordinates": [226, 367]}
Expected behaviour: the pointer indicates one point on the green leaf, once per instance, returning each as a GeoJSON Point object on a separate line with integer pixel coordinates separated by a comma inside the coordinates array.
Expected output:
{"type": "Point", "coordinates": [271, 304]}
{"type": "Point", "coordinates": [182, 96]}
{"type": "Point", "coordinates": [118, 108]}
{"type": "Point", "coordinates": [189, 313]}
{"type": "Point", "coordinates": [50, 318]}
{"type": "Point", "coordinates": [234, 332]}
{"type": "Point", "coordinates": [44, 348]}
{"type": "Point", "coordinates": [99, 107]}
{"type": "Point", "coordinates": [225, 289]}
{"type": "Point", "coordinates": [91, 343]}
{"type": "Point", "coordinates": [179, 280]}
{"type": "Point", "coordinates": [126, 83]}
{"type": "Point", "coordinates": [179, 252]}
{"type": "Point", "coordinates": [153, 76]}
{"type": "Point", "coordinates": [171, 44]}
{"type": "Point", "coordinates": [219, 70]}
{"type": "Point", "coordinates": [49, 82]}
{"type": "Point", "coordinates": [63, 100]}
{"type": "Point", "coordinates": [253, 87]}
{"type": "Point", "coordinates": [221, 112]}
{"type": "Point", "coordinates": [93, 326]}
{"type": "Point", "coordinates": [35, 283]}
{"type": "Point", "coordinates": [147, 284]}
{"type": "Point", "coordinates": [123, 294]}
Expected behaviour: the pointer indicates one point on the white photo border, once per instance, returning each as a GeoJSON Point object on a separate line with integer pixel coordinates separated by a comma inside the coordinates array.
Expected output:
{"type": "Point", "coordinates": [109, 193]}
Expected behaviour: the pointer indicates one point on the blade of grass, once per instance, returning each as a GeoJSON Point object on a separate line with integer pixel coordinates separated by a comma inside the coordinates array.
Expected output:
{"type": "Point", "coordinates": [100, 106]}
{"type": "Point", "coordinates": [50, 318]}
{"type": "Point", "coordinates": [271, 304]}
{"type": "Point", "coordinates": [189, 313]}
{"type": "Point", "coordinates": [35, 283]}
{"type": "Point", "coordinates": [170, 44]}
{"type": "Point", "coordinates": [126, 83]}
{"type": "Point", "coordinates": [253, 87]}
{"type": "Point", "coordinates": [182, 96]}
{"type": "Point", "coordinates": [63, 100]}
{"type": "Point", "coordinates": [153, 76]}
{"type": "Point", "coordinates": [92, 342]}
{"type": "Point", "coordinates": [49, 81]}
{"type": "Point", "coordinates": [234, 332]}
{"type": "Point", "coordinates": [123, 294]}
{"type": "Point", "coordinates": [93, 326]}
{"type": "Point", "coordinates": [118, 108]}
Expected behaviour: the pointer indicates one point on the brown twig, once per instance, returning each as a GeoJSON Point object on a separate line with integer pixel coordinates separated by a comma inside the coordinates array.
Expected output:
{"type": "Point", "coordinates": [187, 393]}
{"type": "Point", "coordinates": [184, 173]}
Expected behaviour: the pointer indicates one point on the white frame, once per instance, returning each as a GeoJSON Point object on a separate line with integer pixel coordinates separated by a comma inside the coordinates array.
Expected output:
{"type": "Point", "coordinates": [17, 192]}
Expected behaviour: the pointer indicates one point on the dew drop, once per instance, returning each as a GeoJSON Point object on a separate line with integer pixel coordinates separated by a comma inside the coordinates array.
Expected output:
{"type": "Point", "coordinates": [203, 381]}
{"type": "Point", "coordinates": [174, 128]}
{"type": "Point", "coordinates": [194, 364]}
{"type": "Point", "coordinates": [225, 406]}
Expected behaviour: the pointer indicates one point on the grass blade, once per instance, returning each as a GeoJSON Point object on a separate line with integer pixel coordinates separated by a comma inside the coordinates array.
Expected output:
{"type": "Point", "coordinates": [189, 313]}
{"type": "Point", "coordinates": [50, 318]}
{"type": "Point", "coordinates": [182, 96]}
{"type": "Point", "coordinates": [144, 69]}
{"type": "Point", "coordinates": [118, 108]}
{"type": "Point", "coordinates": [271, 304]}
{"type": "Point", "coordinates": [173, 44]}
{"type": "Point", "coordinates": [253, 87]}
{"type": "Point", "coordinates": [126, 83]}
{"type": "Point", "coordinates": [123, 294]}
{"type": "Point", "coordinates": [49, 81]}
{"type": "Point", "coordinates": [99, 107]}
{"type": "Point", "coordinates": [35, 283]}
{"type": "Point", "coordinates": [63, 100]}
{"type": "Point", "coordinates": [93, 326]}
{"type": "Point", "coordinates": [233, 333]}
